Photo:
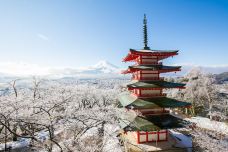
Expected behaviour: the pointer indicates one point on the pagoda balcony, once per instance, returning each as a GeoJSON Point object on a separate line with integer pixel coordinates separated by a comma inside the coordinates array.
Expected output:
{"type": "Point", "coordinates": [147, 63]}
{"type": "Point", "coordinates": [148, 79]}
{"type": "Point", "coordinates": [150, 95]}
{"type": "Point", "coordinates": [155, 112]}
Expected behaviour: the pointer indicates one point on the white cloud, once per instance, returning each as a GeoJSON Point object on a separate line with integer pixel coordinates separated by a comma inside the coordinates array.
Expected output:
{"type": "Point", "coordinates": [43, 37]}
{"type": "Point", "coordinates": [22, 69]}
{"type": "Point", "coordinates": [197, 65]}
{"type": "Point", "coordinates": [215, 69]}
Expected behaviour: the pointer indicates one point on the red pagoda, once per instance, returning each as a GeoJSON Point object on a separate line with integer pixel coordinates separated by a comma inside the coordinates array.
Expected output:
{"type": "Point", "coordinates": [146, 95]}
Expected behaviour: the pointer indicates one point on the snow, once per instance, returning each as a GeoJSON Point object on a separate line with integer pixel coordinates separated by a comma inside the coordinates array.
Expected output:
{"type": "Point", "coordinates": [183, 140]}
{"type": "Point", "coordinates": [24, 142]}
{"type": "Point", "coordinates": [21, 143]}
{"type": "Point", "coordinates": [42, 135]}
{"type": "Point", "coordinates": [89, 133]}
{"type": "Point", "coordinates": [111, 141]}
{"type": "Point", "coordinates": [206, 123]}
{"type": "Point", "coordinates": [106, 67]}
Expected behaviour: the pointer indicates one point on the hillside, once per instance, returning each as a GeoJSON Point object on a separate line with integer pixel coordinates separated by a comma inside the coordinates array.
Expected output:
{"type": "Point", "coordinates": [221, 78]}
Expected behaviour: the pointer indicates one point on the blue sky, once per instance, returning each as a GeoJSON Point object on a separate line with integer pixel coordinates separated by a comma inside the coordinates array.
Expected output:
{"type": "Point", "coordinates": [75, 33]}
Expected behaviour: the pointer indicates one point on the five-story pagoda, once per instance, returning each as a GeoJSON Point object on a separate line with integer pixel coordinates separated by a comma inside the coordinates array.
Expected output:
{"type": "Point", "coordinates": [146, 98]}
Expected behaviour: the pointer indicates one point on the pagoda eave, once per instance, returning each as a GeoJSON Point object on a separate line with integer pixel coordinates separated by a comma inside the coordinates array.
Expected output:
{"type": "Point", "coordinates": [127, 99]}
{"type": "Point", "coordinates": [154, 85]}
{"type": "Point", "coordinates": [154, 123]}
{"type": "Point", "coordinates": [161, 54]}
{"type": "Point", "coordinates": [159, 71]}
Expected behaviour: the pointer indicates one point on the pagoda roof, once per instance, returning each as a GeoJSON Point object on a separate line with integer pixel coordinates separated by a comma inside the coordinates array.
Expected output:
{"type": "Point", "coordinates": [152, 51]}
{"type": "Point", "coordinates": [155, 84]}
{"type": "Point", "coordinates": [153, 123]}
{"type": "Point", "coordinates": [160, 68]}
{"type": "Point", "coordinates": [128, 100]}
{"type": "Point", "coordinates": [162, 54]}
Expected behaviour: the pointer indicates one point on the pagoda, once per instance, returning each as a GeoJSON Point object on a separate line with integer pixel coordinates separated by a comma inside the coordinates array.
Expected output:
{"type": "Point", "coordinates": [146, 95]}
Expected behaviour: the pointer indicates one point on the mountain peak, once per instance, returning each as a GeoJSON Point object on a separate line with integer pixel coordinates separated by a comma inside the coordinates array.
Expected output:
{"type": "Point", "coordinates": [105, 67]}
{"type": "Point", "coordinates": [104, 64]}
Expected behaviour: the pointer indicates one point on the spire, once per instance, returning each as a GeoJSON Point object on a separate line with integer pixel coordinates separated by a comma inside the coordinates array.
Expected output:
{"type": "Point", "coordinates": [145, 33]}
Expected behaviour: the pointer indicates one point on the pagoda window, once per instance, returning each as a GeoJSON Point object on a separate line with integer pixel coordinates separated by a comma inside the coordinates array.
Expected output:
{"type": "Point", "coordinates": [151, 136]}
{"type": "Point", "coordinates": [136, 91]}
{"type": "Point", "coordinates": [142, 136]}
{"type": "Point", "coordinates": [149, 75]}
{"type": "Point", "coordinates": [145, 75]}
{"type": "Point", "coordinates": [149, 60]}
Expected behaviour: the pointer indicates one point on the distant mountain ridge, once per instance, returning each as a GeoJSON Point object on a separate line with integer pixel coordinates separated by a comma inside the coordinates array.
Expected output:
{"type": "Point", "coordinates": [222, 77]}
{"type": "Point", "coordinates": [101, 69]}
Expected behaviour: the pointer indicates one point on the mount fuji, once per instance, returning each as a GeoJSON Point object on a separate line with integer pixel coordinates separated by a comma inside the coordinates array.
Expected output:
{"type": "Point", "coordinates": [19, 70]}
{"type": "Point", "coordinates": [101, 69]}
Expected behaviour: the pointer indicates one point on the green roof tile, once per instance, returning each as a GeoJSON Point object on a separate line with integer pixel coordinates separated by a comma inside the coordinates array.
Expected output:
{"type": "Point", "coordinates": [155, 84]}
{"type": "Point", "coordinates": [127, 100]}
{"type": "Point", "coordinates": [154, 67]}
{"type": "Point", "coordinates": [153, 123]}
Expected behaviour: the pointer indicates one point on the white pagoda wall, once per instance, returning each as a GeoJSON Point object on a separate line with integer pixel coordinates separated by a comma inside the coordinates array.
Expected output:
{"type": "Point", "coordinates": [152, 136]}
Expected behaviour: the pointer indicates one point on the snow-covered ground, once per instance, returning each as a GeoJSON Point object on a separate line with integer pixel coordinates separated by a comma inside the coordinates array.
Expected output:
{"type": "Point", "coordinates": [21, 143]}
{"type": "Point", "coordinates": [206, 123]}
{"type": "Point", "coordinates": [24, 142]}
{"type": "Point", "coordinates": [183, 140]}
{"type": "Point", "coordinates": [111, 142]}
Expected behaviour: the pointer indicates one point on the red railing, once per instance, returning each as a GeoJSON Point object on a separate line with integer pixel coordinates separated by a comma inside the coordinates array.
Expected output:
{"type": "Point", "coordinates": [147, 63]}
{"type": "Point", "coordinates": [155, 112]}
{"type": "Point", "coordinates": [148, 79]}
{"type": "Point", "coordinates": [150, 95]}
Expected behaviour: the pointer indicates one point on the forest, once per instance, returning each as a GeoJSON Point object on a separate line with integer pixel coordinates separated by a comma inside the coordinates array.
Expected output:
{"type": "Point", "coordinates": [81, 114]}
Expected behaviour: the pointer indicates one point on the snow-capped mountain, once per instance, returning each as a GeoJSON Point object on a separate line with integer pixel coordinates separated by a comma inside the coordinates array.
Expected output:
{"type": "Point", "coordinates": [105, 67]}
{"type": "Point", "coordinates": [27, 70]}
{"type": "Point", "coordinates": [101, 68]}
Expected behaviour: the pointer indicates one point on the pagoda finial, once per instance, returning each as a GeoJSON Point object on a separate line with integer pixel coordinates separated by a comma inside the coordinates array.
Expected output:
{"type": "Point", "coordinates": [145, 33]}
